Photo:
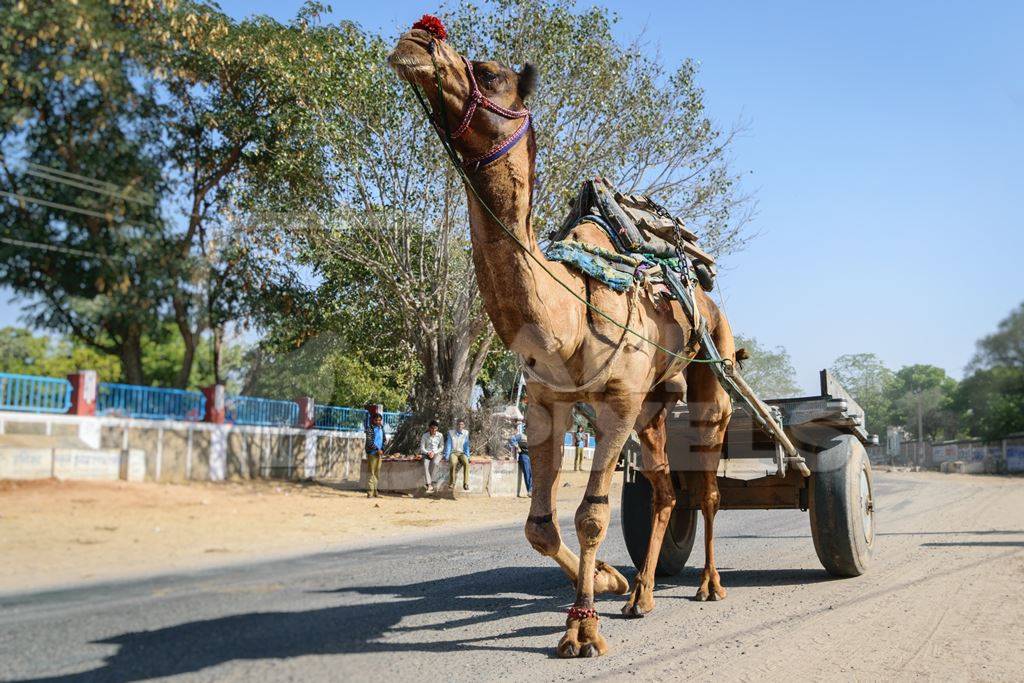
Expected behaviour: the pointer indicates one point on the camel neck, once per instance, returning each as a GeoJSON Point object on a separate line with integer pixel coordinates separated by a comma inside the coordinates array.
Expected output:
{"type": "Point", "coordinates": [519, 296]}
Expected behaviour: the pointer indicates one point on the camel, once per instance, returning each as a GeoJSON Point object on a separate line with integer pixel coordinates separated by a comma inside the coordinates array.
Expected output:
{"type": "Point", "coordinates": [572, 354]}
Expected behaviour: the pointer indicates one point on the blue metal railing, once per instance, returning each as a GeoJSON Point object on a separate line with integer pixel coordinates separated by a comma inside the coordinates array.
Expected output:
{"type": "Point", "coordinates": [153, 403]}
{"type": "Point", "coordinates": [34, 394]}
{"type": "Point", "coordinates": [569, 441]}
{"type": "Point", "coordinates": [393, 419]}
{"type": "Point", "coordinates": [335, 417]}
{"type": "Point", "coordinates": [249, 410]}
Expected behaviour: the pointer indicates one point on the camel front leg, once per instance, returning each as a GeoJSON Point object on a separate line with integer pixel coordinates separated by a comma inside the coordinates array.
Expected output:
{"type": "Point", "coordinates": [548, 422]}
{"type": "Point", "coordinates": [615, 418]}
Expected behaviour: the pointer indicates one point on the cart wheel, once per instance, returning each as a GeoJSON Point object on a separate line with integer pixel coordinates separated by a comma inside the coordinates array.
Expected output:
{"type": "Point", "coordinates": [636, 528]}
{"type": "Point", "coordinates": [842, 507]}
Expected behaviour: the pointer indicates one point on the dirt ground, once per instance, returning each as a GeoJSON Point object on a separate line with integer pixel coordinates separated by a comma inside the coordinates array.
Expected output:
{"type": "Point", "coordinates": [55, 533]}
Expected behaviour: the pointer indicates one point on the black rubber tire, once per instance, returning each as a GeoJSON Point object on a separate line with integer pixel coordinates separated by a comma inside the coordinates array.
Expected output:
{"type": "Point", "coordinates": [842, 517]}
{"type": "Point", "coordinates": [636, 529]}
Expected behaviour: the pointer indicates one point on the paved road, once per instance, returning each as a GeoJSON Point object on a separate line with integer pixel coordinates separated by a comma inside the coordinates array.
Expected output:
{"type": "Point", "coordinates": [942, 599]}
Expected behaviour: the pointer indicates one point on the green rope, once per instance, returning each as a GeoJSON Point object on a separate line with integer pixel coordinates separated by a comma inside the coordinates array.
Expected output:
{"type": "Point", "coordinates": [454, 156]}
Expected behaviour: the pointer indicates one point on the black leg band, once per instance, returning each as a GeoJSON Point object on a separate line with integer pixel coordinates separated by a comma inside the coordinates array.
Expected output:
{"type": "Point", "coordinates": [596, 500]}
{"type": "Point", "coordinates": [539, 519]}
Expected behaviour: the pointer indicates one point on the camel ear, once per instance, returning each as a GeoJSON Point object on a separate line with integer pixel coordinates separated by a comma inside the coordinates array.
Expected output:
{"type": "Point", "coordinates": [527, 81]}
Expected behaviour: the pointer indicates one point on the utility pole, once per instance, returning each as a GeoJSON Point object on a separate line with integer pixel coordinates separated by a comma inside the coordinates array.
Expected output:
{"type": "Point", "coordinates": [920, 428]}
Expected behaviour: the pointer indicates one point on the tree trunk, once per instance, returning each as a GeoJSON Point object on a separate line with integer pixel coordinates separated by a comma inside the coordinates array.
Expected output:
{"type": "Point", "coordinates": [189, 339]}
{"type": "Point", "coordinates": [131, 359]}
{"type": "Point", "coordinates": [445, 389]}
{"type": "Point", "coordinates": [217, 341]}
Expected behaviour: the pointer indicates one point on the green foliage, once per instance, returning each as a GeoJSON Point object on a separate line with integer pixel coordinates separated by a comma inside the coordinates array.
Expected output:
{"type": "Point", "coordinates": [321, 368]}
{"type": "Point", "coordinates": [24, 353]}
{"type": "Point", "coordinates": [769, 372]}
{"type": "Point", "coordinates": [924, 390]}
{"type": "Point", "coordinates": [869, 381]}
{"type": "Point", "coordinates": [1005, 346]}
{"type": "Point", "coordinates": [991, 402]}
{"type": "Point", "coordinates": [991, 399]}
{"type": "Point", "coordinates": [610, 107]}
{"type": "Point", "coordinates": [175, 121]}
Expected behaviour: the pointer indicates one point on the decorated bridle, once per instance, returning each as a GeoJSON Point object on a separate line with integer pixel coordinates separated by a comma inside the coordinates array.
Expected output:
{"type": "Point", "coordinates": [474, 101]}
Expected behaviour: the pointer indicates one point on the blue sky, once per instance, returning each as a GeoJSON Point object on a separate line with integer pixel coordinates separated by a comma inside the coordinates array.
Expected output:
{"type": "Point", "coordinates": [885, 145]}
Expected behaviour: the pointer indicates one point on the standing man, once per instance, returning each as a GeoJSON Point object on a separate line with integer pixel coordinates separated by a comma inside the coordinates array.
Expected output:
{"type": "Point", "coordinates": [456, 452]}
{"type": "Point", "coordinates": [581, 439]}
{"type": "Point", "coordinates": [520, 448]}
{"type": "Point", "coordinates": [375, 440]}
{"type": "Point", "coordinates": [431, 450]}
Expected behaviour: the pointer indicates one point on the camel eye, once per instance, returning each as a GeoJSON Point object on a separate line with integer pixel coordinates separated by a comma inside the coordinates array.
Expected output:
{"type": "Point", "coordinates": [488, 77]}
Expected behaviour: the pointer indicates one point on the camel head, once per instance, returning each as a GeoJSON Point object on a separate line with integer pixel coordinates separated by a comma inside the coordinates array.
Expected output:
{"type": "Point", "coordinates": [423, 52]}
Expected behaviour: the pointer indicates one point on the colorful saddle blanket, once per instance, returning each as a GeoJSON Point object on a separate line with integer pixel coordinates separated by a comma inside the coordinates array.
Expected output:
{"type": "Point", "coordinates": [648, 241]}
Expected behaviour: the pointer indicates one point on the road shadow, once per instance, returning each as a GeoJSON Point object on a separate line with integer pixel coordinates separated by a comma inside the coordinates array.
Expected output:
{"type": "Point", "coordinates": [376, 624]}
{"type": "Point", "coordinates": [986, 532]}
{"type": "Point", "coordinates": [742, 578]}
{"type": "Point", "coordinates": [983, 544]}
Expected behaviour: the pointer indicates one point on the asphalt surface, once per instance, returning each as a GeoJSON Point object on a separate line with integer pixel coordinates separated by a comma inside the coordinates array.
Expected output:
{"type": "Point", "coordinates": [483, 606]}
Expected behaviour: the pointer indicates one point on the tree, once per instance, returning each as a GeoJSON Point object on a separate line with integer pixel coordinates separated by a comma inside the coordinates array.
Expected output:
{"type": "Point", "coordinates": [398, 238]}
{"type": "Point", "coordinates": [1005, 346]}
{"type": "Point", "coordinates": [611, 108]}
{"type": "Point", "coordinates": [868, 380]}
{"type": "Point", "coordinates": [24, 353]}
{"type": "Point", "coordinates": [157, 127]}
{"type": "Point", "coordinates": [769, 372]}
{"type": "Point", "coordinates": [990, 401]}
{"type": "Point", "coordinates": [922, 400]}
{"type": "Point", "coordinates": [87, 253]}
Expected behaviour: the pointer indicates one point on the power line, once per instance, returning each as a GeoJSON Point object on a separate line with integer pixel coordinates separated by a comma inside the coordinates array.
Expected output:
{"type": "Point", "coordinates": [53, 247]}
{"type": "Point", "coordinates": [54, 178]}
{"type": "Point", "coordinates": [104, 187]}
{"type": "Point", "coordinates": [21, 199]}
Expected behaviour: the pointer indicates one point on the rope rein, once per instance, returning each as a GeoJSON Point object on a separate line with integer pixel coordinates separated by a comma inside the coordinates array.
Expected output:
{"type": "Point", "coordinates": [457, 162]}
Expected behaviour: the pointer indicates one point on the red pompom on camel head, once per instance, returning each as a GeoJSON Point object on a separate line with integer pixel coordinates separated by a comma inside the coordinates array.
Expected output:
{"type": "Point", "coordinates": [432, 25]}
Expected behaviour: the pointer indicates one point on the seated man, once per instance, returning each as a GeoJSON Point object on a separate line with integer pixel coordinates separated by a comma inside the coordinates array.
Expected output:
{"type": "Point", "coordinates": [431, 448]}
{"type": "Point", "coordinates": [456, 452]}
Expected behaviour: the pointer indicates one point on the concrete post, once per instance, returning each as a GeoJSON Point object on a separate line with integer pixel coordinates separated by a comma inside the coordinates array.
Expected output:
{"type": "Point", "coordinates": [214, 403]}
{"type": "Point", "coordinates": [83, 392]}
{"type": "Point", "coordinates": [307, 412]}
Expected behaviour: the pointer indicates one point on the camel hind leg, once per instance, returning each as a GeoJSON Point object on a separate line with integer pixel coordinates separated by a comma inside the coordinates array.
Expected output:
{"type": "Point", "coordinates": [652, 432]}
{"type": "Point", "coordinates": [548, 422]}
{"type": "Point", "coordinates": [710, 410]}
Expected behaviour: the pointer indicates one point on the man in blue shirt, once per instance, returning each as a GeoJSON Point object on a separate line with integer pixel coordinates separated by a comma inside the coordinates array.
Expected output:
{"type": "Point", "coordinates": [456, 452]}
{"type": "Point", "coordinates": [375, 440]}
{"type": "Point", "coordinates": [520, 448]}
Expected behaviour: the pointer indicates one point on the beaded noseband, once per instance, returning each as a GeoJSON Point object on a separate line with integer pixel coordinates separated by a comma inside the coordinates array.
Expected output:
{"type": "Point", "coordinates": [478, 99]}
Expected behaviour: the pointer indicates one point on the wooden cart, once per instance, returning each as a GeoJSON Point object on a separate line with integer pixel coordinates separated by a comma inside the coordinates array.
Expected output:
{"type": "Point", "coordinates": [795, 453]}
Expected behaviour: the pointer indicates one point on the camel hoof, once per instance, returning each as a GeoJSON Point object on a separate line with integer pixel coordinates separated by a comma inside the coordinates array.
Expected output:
{"type": "Point", "coordinates": [701, 596]}
{"type": "Point", "coordinates": [589, 650]}
{"type": "Point", "coordinates": [608, 579]}
{"type": "Point", "coordinates": [633, 611]}
{"type": "Point", "coordinates": [717, 594]}
{"type": "Point", "coordinates": [567, 650]}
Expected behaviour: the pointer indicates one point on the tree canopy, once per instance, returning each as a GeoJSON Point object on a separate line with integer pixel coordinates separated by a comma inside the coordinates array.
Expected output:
{"type": "Point", "coordinates": [768, 371]}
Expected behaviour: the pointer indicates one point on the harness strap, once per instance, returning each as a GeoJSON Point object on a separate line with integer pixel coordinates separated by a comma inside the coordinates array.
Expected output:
{"type": "Point", "coordinates": [600, 374]}
{"type": "Point", "coordinates": [478, 99]}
